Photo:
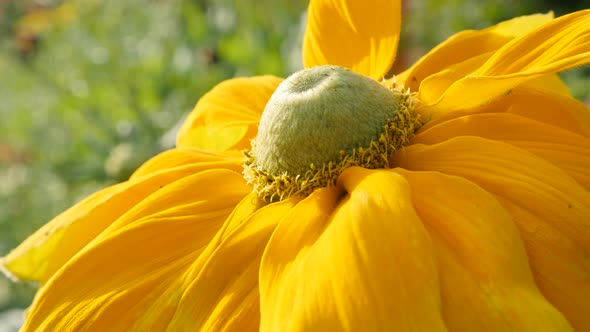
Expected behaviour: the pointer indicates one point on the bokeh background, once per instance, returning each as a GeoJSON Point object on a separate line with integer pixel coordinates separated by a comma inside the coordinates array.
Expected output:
{"type": "Point", "coordinates": [90, 89]}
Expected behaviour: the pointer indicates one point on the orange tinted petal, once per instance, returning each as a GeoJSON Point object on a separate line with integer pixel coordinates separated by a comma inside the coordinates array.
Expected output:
{"type": "Point", "coordinates": [361, 36]}
{"type": "Point", "coordinates": [227, 116]}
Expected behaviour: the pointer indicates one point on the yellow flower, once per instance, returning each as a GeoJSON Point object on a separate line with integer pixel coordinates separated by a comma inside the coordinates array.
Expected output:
{"type": "Point", "coordinates": [482, 221]}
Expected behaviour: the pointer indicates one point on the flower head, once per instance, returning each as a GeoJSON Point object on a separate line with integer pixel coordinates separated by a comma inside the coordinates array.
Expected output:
{"type": "Point", "coordinates": [321, 121]}
{"type": "Point", "coordinates": [480, 220]}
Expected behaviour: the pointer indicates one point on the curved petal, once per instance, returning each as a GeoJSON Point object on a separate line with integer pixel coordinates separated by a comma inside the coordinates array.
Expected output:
{"type": "Point", "coordinates": [435, 85]}
{"type": "Point", "coordinates": [133, 274]}
{"type": "Point", "coordinates": [560, 268]}
{"type": "Point", "coordinates": [50, 247]}
{"type": "Point", "coordinates": [486, 282]}
{"type": "Point", "coordinates": [551, 210]}
{"type": "Point", "coordinates": [175, 198]}
{"type": "Point", "coordinates": [535, 100]}
{"type": "Point", "coordinates": [561, 44]}
{"type": "Point", "coordinates": [223, 292]}
{"type": "Point", "coordinates": [361, 36]}
{"type": "Point", "coordinates": [509, 172]}
{"type": "Point", "coordinates": [184, 156]}
{"type": "Point", "coordinates": [219, 290]}
{"type": "Point", "coordinates": [551, 108]}
{"type": "Point", "coordinates": [227, 116]}
{"type": "Point", "coordinates": [564, 149]}
{"type": "Point", "coordinates": [468, 44]}
{"type": "Point", "coordinates": [351, 258]}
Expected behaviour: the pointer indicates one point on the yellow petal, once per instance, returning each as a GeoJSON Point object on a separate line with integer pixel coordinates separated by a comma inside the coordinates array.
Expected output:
{"type": "Point", "coordinates": [223, 289]}
{"type": "Point", "coordinates": [44, 252]}
{"type": "Point", "coordinates": [227, 116]}
{"type": "Point", "coordinates": [435, 85]}
{"type": "Point", "coordinates": [247, 206]}
{"type": "Point", "coordinates": [160, 201]}
{"type": "Point", "coordinates": [548, 84]}
{"type": "Point", "coordinates": [564, 149]}
{"type": "Point", "coordinates": [361, 36]}
{"type": "Point", "coordinates": [559, 45]}
{"type": "Point", "coordinates": [351, 258]}
{"type": "Point", "coordinates": [520, 25]}
{"type": "Point", "coordinates": [533, 100]}
{"type": "Point", "coordinates": [486, 282]}
{"type": "Point", "coordinates": [560, 267]}
{"type": "Point", "coordinates": [179, 157]}
{"type": "Point", "coordinates": [551, 108]}
{"type": "Point", "coordinates": [551, 210]}
{"type": "Point", "coordinates": [515, 174]}
{"type": "Point", "coordinates": [134, 274]}
{"type": "Point", "coordinates": [468, 44]}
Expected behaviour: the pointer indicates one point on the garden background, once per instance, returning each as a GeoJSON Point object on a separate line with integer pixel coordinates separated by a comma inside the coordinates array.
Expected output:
{"type": "Point", "coordinates": [90, 89]}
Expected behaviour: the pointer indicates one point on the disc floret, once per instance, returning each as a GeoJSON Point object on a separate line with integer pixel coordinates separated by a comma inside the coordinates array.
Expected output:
{"type": "Point", "coordinates": [321, 121]}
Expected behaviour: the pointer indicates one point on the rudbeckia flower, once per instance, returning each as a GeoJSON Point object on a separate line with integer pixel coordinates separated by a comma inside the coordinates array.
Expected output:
{"type": "Point", "coordinates": [453, 196]}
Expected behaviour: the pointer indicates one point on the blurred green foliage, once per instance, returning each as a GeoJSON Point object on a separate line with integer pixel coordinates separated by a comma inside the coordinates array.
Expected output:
{"type": "Point", "coordinates": [90, 89]}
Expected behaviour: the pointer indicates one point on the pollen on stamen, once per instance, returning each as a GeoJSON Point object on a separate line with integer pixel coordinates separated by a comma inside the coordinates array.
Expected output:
{"type": "Point", "coordinates": [400, 123]}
